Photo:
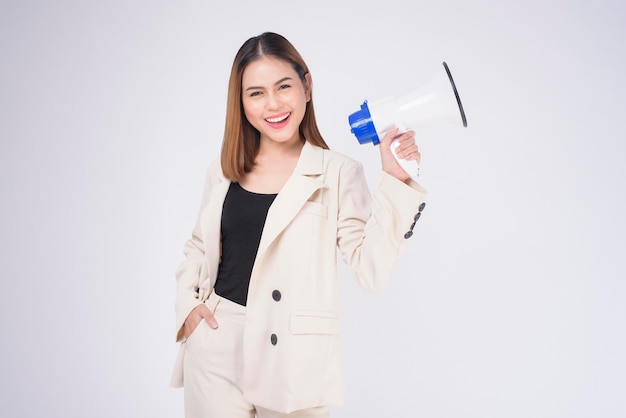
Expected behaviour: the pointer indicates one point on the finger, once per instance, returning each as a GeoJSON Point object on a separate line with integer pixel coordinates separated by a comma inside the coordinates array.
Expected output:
{"type": "Point", "coordinates": [210, 319]}
{"type": "Point", "coordinates": [411, 156]}
{"type": "Point", "coordinates": [410, 153]}
{"type": "Point", "coordinates": [190, 325]}
{"type": "Point", "coordinates": [417, 157]}
{"type": "Point", "coordinates": [406, 136]}
{"type": "Point", "coordinates": [389, 137]}
{"type": "Point", "coordinates": [405, 145]}
{"type": "Point", "coordinates": [405, 148]}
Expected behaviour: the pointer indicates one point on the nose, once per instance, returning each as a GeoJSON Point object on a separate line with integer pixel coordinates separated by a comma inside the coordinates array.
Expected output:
{"type": "Point", "coordinates": [273, 101]}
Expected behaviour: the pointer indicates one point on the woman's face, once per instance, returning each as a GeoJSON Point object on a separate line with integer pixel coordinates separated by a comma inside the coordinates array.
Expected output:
{"type": "Point", "coordinates": [274, 99]}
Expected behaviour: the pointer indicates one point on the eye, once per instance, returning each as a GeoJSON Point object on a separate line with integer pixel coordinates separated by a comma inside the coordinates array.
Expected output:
{"type": "Point", "coordinates": [284, 86]}
{"type": "Point", "coordinates": [255, 93]}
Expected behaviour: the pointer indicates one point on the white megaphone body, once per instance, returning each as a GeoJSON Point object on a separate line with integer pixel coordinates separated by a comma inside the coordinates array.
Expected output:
{"type": "Point", "coordinates": [436, 102]}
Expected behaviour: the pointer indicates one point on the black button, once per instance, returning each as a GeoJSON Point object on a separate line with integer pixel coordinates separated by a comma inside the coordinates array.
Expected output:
{"type": "Point", "coordinates": [276, 295]}
{"type": "Point", "coordinates": [274, 339]}
{"type": "Point", "coordinates": [409, 233]}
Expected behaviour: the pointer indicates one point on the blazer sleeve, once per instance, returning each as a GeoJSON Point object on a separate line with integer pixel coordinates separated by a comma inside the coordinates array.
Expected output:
{"type": "Point", "coordinates": [189, 271]}
{"type": "Point", "coordinates": [371, 228]}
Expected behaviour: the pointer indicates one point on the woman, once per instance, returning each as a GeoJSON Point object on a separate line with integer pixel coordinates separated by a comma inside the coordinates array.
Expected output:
{"type": "Point", "coordinates": [257, 302]}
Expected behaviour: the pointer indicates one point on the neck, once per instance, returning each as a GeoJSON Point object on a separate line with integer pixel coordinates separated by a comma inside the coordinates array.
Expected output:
{"type": "Point", "coordinates": [271, 149]}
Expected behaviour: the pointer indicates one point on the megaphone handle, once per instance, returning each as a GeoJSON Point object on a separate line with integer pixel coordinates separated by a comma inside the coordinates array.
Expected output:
{"type": "Point", "coordinates": [411, 167]}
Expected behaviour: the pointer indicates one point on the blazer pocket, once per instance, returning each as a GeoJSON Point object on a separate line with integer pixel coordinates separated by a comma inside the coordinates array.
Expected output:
{"type": "Point", "coordinates": [315, 208]}
{"type": "Point", "coordinates": [308, 322]}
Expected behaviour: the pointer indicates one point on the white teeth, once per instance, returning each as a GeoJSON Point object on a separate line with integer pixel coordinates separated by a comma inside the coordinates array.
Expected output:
{"type": "Point", "coordinates": [278, 119]}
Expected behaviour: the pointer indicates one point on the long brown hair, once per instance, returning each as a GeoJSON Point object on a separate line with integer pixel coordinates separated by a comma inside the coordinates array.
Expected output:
{"type": "Point", "coordinates": [241, 140]}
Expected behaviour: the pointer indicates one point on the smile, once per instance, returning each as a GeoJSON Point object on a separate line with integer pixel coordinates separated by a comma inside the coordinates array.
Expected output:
{"type": "Point", "coordinates": [278, 118]}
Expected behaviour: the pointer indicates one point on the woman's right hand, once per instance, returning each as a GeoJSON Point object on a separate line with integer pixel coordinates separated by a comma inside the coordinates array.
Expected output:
{"type": "Point", "coordinates": [198, 313]}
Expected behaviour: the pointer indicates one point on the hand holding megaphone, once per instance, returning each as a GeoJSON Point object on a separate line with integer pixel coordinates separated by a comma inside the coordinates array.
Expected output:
{"type": "Point", "coordinates": [437, 101]}
{"type": "Point", "coordinates": [399, 154]}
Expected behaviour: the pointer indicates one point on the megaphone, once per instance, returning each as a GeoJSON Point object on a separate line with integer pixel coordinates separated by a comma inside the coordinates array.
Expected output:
{"type": "Point", "coordinates": [436, 102]}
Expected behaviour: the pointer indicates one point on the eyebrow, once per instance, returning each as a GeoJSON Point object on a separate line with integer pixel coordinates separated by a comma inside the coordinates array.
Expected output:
{"type": "Point", "coordinates": [276, 83]}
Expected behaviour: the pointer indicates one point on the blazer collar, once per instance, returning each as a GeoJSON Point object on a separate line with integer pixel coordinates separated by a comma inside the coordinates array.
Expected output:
{"type": "Point", "coordinates": [304, 181]}
{"type": "Point", "coordinates": [311, 160]}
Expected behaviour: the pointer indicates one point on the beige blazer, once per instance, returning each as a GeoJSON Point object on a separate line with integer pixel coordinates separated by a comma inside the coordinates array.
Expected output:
{"type": "Point", "coordinates": [292, 353]}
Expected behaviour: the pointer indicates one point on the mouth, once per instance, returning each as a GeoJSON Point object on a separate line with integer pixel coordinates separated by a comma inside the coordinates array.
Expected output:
{"type": "Point", "coordinates": [278, 120]}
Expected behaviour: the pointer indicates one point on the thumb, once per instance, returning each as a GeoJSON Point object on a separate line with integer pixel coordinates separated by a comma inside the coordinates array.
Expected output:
{"type": "Point", "coordinates": [388, 137]}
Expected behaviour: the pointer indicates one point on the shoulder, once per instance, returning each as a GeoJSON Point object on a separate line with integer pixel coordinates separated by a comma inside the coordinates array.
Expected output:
{"type": "Point", "coordinates": [342, 167]}
{"type": "Point", "coordinates": [214, 171]}
{"type": "Point", "coordinates": [335, 160]}
{"type": "Point", "coordinates": [334, 167]}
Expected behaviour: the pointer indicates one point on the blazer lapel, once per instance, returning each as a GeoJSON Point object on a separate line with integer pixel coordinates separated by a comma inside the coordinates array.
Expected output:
{"type": "Point", "coordinates": [211, 227]}
{"type": "Point", "coordinates": [301, 185]}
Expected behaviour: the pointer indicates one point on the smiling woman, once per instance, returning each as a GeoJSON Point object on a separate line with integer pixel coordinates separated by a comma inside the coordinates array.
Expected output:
{"type": "Point", "coordinates": [257, 303]}
{"type": "Point", "coordinates": [510, 292]}
{"type": "Point", "coordinates": [274, 109]}
{"type": "Point", "coordinates": [266, 75]}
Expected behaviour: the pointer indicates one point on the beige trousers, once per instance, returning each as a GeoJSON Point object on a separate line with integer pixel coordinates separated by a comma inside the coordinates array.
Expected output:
{"type": "Point", "coordinates": [212, 369]}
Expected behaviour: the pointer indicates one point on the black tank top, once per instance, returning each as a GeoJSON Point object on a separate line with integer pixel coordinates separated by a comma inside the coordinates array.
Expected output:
{"type": "Point", "coordinates": [243, 218]}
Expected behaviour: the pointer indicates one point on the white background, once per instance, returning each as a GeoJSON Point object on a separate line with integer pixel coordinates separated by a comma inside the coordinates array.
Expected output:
{"type": "Point", "coordinates": [508, 301]}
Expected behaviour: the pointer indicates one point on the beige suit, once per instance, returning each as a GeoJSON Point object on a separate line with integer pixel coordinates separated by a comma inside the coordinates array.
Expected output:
{"type": "Point", "coordinates": [292, 353]}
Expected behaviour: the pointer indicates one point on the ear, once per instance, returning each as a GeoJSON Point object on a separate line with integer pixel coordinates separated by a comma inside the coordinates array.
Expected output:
{"type": "Point", "coordinates": [308, 86]}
